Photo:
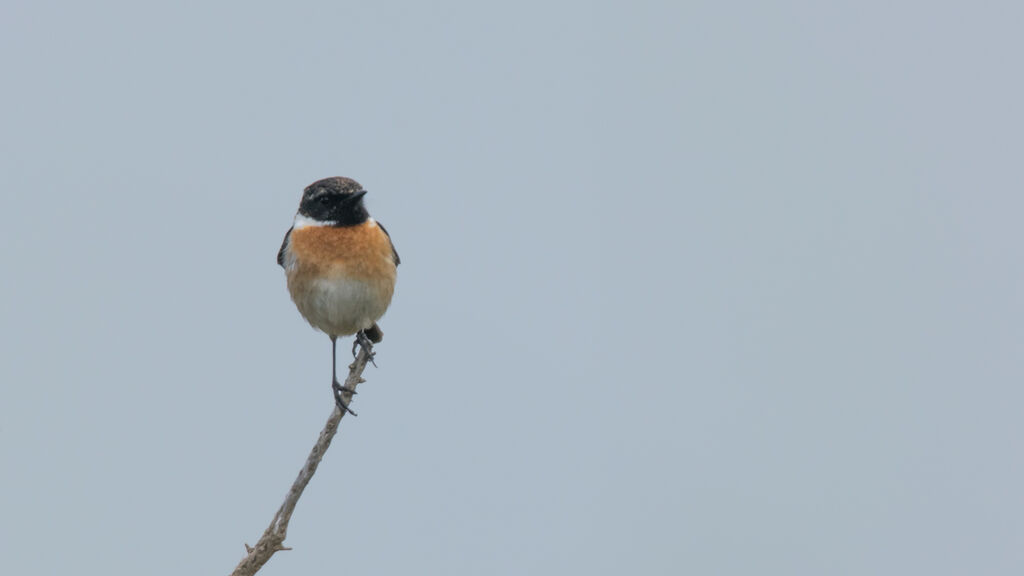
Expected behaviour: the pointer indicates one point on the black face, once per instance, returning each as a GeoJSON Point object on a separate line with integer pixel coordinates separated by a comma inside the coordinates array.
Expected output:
{"type": "Point", "coordinates": [338, 200]}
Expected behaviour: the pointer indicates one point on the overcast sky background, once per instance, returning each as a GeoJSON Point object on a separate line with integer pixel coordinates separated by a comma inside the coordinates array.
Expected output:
{"type": "Point", "coordinates": [697, 288]}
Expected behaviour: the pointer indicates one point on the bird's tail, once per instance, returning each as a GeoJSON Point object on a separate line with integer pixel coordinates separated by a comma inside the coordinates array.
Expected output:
{"type": "Point", "coordinates": [374, 333]}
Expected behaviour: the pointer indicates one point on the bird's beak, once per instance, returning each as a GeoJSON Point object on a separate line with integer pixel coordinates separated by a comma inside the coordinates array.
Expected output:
{"type": "Point", "coordinates": [358, 195]}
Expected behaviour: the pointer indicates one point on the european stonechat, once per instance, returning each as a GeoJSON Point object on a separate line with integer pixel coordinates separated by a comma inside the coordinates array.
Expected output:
{"type": "Point", "coordinates": [340, 265]}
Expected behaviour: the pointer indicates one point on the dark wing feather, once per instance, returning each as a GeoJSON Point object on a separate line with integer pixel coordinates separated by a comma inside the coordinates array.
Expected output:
{"type": "Point", "coordinates": [284, 244]}
{"type": "Point", "coordinates": [394, 253]}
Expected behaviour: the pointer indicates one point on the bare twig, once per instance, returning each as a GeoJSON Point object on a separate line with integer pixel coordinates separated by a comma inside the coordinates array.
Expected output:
{"type": "Point", "coordinates": [273, 537]}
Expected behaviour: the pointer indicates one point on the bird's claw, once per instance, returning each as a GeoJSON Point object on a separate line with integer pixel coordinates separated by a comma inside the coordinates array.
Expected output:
{"type": "Point", "coordinates": [338, 390]}
{"type": "Point", "coordinates": [362, 340]}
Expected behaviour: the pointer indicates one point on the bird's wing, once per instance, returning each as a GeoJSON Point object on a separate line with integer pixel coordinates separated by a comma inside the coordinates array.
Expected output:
{"type": "Point", "coordinates": [284, 244]}
{"type": "Point", "coordinates": [394, 253]}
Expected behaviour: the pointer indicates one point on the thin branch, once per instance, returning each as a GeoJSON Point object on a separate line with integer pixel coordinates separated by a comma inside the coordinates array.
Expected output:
{"type": "Point", "coordinates": [273, 537]}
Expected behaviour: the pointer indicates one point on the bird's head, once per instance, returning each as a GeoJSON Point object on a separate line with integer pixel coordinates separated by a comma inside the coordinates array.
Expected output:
{"type": "Point", "coordinates": [336, 200]}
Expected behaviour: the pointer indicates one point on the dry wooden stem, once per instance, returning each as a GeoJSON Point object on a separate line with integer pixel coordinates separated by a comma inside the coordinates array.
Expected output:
{"type": "Point", "coordinates": [273, 537]}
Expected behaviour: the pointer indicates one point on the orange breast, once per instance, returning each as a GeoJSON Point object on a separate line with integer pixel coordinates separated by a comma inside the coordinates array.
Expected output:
{"type": "Point", "coordinates": [360, 252]}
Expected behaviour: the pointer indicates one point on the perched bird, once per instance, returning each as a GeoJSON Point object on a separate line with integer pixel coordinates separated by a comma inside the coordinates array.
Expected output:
{"type": "Point", "coordinates": [340, 265]}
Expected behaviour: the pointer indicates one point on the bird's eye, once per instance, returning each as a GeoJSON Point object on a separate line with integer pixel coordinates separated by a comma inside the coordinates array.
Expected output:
{"type": "Point", "coordinates": [322, 199]}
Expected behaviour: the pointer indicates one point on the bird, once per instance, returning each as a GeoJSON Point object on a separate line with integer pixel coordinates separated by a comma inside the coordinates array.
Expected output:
{"type": "Point", "coordinates": [340, 265]}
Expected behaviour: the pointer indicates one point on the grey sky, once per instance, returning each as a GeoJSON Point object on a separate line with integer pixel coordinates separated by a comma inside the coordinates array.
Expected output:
{"type": "Point", "coordinates": [686, 289]}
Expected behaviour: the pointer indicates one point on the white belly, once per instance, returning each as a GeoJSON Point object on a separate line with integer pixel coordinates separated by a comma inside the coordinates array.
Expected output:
{"type": "Point", "coordinates": [340, 307]}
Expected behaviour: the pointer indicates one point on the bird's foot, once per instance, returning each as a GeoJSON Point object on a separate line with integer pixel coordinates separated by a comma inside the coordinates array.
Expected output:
{"type": "Point", "coordinates": [339, 399]}
{"type": "Point", "coordinates": [362, 340]}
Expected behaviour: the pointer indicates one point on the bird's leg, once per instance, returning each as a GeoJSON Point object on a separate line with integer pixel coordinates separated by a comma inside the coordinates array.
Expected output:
{"type": "Point", "coordinates": [364, 341]}
{"type": "Point", "coordinates": [335, 385]}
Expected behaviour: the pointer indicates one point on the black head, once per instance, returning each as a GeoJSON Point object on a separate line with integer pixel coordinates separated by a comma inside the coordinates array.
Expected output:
{"type": "Point", "coordinates": [338, 200]}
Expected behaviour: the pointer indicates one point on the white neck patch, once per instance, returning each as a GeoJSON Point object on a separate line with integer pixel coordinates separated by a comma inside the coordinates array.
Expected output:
{"type": "Point", "coordinates": [301, 222]}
